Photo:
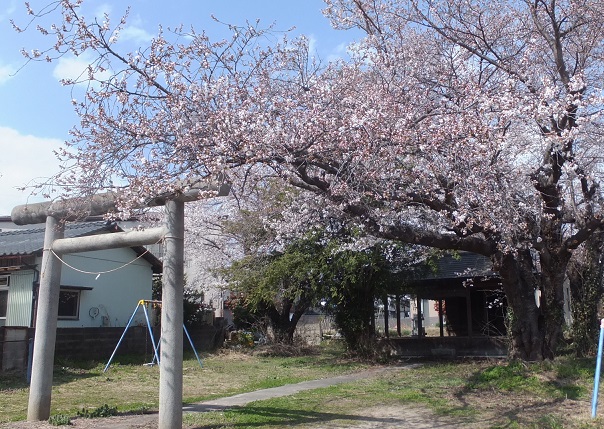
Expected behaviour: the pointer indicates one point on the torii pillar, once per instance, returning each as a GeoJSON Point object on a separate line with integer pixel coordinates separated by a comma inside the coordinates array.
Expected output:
{"type": "Point", "coordinates": [170, 369]}
{"type": "Point", "coordinates": [46, 326]}
{"type": "Point", "coordinates": [170, 388]}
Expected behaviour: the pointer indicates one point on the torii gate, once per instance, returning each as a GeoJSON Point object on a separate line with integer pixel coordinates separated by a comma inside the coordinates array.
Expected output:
{"type": "Point", "coordinates": [54, 215]}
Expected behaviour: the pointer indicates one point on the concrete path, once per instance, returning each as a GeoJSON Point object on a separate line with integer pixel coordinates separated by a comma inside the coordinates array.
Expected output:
{"type": "Point", "coordinates": [149, 421]}
{"type": "Point", "coordinates": [276, 392]}
{"type": "Point", "coordinates": [242, 399]}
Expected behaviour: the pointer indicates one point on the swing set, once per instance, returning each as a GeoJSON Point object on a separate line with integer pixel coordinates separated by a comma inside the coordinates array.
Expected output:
{"type": "Point", "coordinates": [144, 303]}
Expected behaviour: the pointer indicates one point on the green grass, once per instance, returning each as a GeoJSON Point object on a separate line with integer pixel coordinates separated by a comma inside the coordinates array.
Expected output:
{"type": "Point", "coordinates": [339, 403]}
{"type": "Point", "coordinates": [567, 380]}
{"type": "Point", "coordinates": [476, 394]}
{"type": "Point", "coordinates": [511, 377]}
{"type": "Point", "coordinates": [132, 387]}
{"type": "Point", "coordinates": [472, 394]}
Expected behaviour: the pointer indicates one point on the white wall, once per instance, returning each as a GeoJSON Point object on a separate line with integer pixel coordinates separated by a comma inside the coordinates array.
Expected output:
{"type": "Point", "coordinates": [115, 294]}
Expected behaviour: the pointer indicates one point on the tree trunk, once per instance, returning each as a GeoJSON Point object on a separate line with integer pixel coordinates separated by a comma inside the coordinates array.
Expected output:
{"type": "Point", "coordinates": [280, 322]}
{"type": "Point", "coordinates": [553, 271]}
{"type": "Point", "coordinates": [284, 321]}
{"type": "Point", "coordinates": [586, 292]}
{"type": "Point", "coordinates": [526, 327]}
{"type": "Point", "coordinates": [537, 318]}
{"type": "Point", "coordinates": [398, 315]}
{"type": "Point", "coordinates": [386, 316]}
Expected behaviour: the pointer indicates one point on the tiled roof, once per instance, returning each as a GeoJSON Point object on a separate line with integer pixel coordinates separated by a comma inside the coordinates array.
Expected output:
{"type": "Point", "coordinates": [28, 241]}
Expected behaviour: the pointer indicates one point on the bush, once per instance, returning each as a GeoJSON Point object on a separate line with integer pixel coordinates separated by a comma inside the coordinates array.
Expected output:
{"type": "Point", "coordinates": [102, 411]}
{"type": "Point", "coordinates": [59, 420]}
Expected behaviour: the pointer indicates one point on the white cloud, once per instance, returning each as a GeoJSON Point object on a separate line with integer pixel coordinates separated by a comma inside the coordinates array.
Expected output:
{"type": "Point", "coordinates": [8, 10]}
{"type": "Point", "coordinates": [335, 53]}
{"type": "Point", "coordinates": [75, 68]}
{"type": "Point", "coordinates": [135, 34]}
{"type": "Point", "coordinates": [312, 44]}
{"type": "Point", "coordinates": [25, 159]}
{"type": "Point", "coordinates": [72, 68]}
{"type": "Point", "coordinates": [102, 10]}
{"type": "Point", "coordinates": [6, 72]}
{"type": "Point", "coordinates": [133, 31]}
{"type": "Point", "coordinates": [339, 52]}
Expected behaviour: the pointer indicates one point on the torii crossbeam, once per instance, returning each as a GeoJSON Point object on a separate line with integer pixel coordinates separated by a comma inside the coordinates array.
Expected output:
{"type": "Point", "coordinates": [54, 215]}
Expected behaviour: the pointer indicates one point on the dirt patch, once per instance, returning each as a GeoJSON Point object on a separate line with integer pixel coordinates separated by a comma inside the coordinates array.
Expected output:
{"type": "Point", "coordinates": [499, 409]}
{"type": "Point", "coordinates": [117, 422]}
{"type": "Point", "coordinates": [373, 418]}
{"type": "Point", "coordinates": [395, 417]}
{"type": "Point", "coordinates": [494, 410]}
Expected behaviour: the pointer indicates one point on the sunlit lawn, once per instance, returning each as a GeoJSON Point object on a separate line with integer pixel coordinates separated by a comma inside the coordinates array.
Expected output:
{"type": "Point", "coordinates": [491, 394]}
{"type": "Point", "coordinates": [134, 387]}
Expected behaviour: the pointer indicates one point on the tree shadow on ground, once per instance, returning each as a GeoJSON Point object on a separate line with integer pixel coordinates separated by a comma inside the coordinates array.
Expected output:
{"type": "Point", "coordinates": [67, 370]}
{"type": "Point", "coordinates": [520, 395]}
{"type": "Point", "coordinates": [18, 379]}
{"type": "Point", "coordinates": [68, 375]}
{"type": "Point", "coordinates": [11, 380]}
{"type": "Point", "coordinates": [257, 416]}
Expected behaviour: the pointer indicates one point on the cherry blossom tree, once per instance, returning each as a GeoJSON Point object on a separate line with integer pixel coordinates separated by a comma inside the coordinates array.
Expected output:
{"type": "Point", "coordinates": [220, 232]}
{"type": "Point", "coordinates": [470, 125]}
{"type": "Point", "coordinates": [511, 132]}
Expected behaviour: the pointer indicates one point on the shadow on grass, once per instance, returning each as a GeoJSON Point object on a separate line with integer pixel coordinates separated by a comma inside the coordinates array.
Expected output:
{"type": "Point", "coordinates": [61, 374]}
{"type": "Point", "coordinates": [13, 380]}
{"type": "Point", "coordinates": [561, 380]}
{"type": "Point", "coordinates": [69, 370]}
{"type": "Point", "coordinates": [68, 374]}
{"type": "Point", "coordinates": [266, 417]}
{"type": "Point", "coordinates": [65, 371]}
{"type": "Point", "coordinates": [553, 382]}
{"type": "Point", "coordinates": [17, 381]}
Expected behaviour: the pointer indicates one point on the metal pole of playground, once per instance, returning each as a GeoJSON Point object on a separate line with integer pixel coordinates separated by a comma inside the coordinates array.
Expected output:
{"type": "Point", "coordinates": [594, 401]}
{"type": "Point", "coordinates": [141, 303]}
{"type": "Point", "coordinates": [121, 338]}
{"type": "Point", "coordinates": [190, 342]}
{"type": "Point", "coordinates": [150, 332]}
{"type": "Point", "coordinates": [192, 346]}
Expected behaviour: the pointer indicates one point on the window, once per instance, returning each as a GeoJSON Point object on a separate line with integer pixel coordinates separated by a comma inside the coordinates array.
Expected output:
{"type": "Point", "coordinates": [4, 284]}
{"type": "Point", "coordinates": [69, 304]}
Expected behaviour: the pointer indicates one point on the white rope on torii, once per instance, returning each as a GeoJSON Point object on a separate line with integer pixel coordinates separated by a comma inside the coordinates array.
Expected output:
{"type": "Point", "coordinates": [54, 214]}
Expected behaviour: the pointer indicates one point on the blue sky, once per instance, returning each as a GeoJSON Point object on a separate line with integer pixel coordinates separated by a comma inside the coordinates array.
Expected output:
{"type": "Point", "coordinates": [35, 110]}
